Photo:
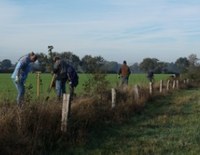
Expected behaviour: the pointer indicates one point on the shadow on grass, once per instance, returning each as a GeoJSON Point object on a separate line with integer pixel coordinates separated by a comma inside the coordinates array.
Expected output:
{"type": "Point", "coordinates": [156, 129]}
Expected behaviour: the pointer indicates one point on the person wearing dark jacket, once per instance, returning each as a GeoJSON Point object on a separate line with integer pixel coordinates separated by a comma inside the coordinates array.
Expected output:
{"type": "Point", "coordinates": [64, 72]}
{"type": "Point", "coordinates": [150, 76]}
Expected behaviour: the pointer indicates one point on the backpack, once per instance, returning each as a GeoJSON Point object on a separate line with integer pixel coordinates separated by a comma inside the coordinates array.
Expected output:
{"type": "Point", "coordinates": [73, 76]}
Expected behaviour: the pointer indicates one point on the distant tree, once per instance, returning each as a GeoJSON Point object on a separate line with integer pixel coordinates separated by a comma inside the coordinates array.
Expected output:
{"type": "Point", "coordinates": [182, 64]}
{"type": "Point", "coordinates": [71, 58]}
{"type": "Point", "coordinates": [171, 68]}
{"type": "Point", "coordinates": [43, 61]}
{"type": "Point", "coordinates": [92, 64]}
{"type": "Point", "coordinates": [6, 64]}
{"type": "Point", "coordinates": [160, 67]}
{"type": "Point", "coordinates": [193, 60]}
{"type": "Point", "coordinates": [110, 67]}
{"type": "Point", "coordinates": [194, 67]}
{"type": "Point", "coordinates": [149, 64]}
{"type": "Point", "coordinates": [135, 68]}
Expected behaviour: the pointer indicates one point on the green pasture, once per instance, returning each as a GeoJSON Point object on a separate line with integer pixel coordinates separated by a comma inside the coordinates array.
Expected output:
{"type": "Point", "coordinates": [8, 91]}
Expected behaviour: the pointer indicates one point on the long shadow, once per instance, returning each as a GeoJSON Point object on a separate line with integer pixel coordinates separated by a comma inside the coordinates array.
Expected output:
{"type": "Point", "coordinates": [100, 133]}
{"type": "Point", "coordinates": [139, 125]}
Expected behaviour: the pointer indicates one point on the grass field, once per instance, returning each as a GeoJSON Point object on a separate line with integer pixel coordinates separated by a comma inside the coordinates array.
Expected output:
{"type": "Point", "coordinates": [8, 91]}
{"type": "Point", "coordinates": [168, 125]}
{"type": "Point", "coordinates": [164, 123]}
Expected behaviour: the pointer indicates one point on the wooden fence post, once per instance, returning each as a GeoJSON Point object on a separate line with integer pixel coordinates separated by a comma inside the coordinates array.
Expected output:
{"type": "Point", "coordinates": [113, 92]}
{"type": "Point", "coordinates": [177, 84]}
{"type": "Point", "coordinates": [174, 84]}
{"type": "Point", "coordinates": [168, 82]}
{"type": "Point", "coordinates": [136, 91]}
{"type": "Point", "coordinates": [150, 87]}
{"type": "Point", "coordinates": [65, 110]}
{"type": "Point", "coordinates": [161, 85]}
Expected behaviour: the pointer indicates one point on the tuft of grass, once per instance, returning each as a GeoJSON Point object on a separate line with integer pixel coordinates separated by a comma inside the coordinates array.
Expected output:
{"type": "Point", "coordinates": [93, 124]}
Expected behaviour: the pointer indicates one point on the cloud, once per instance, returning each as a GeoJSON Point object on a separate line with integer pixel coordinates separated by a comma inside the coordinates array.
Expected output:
{"type": "Point", "coordinates": [8, 12]}
{"type": "Point", "coordinates": [90, 26]}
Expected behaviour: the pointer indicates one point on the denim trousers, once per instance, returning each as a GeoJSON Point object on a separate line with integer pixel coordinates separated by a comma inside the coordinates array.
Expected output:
{"type": "Point", "coordinates": [21, 91]}
{"type": "Point", "coordinates": [60, 88]}
{"type": "Point", "coordinates": [124, 80]}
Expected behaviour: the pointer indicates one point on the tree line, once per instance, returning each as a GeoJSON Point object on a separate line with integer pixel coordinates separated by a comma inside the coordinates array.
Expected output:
{"type": "Point", "coordinates": [92, 64]}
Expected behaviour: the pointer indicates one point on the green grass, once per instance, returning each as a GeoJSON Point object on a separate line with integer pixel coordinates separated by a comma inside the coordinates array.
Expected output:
{"type": "Point", "coordinates": [9, 92]}
{"type": "Point", "coordinates": [168, 125]}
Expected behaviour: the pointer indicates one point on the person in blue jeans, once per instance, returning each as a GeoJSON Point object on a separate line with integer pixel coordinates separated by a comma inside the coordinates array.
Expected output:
{"type": "Point", "coordinates": [20, 74]}
{"type": "Point", "coordinates": [64, 72]}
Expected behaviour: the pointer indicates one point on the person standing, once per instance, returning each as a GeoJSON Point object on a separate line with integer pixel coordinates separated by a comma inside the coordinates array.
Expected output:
{"type": "Point", "coordinates": [64, 72]}
{"type": "Point", "coordinates": [124, 73]}
{"type": "Point", "coordinates": [20, 74]}
{"type": "Point", "coordinates": [150, 76]}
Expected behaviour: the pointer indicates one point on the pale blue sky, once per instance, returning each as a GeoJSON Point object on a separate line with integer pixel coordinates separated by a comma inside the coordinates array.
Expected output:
{"type": "Point", "coordinates": [115, 29]}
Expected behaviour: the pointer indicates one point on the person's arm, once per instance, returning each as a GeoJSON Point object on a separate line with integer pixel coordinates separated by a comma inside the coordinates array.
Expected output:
{"type": "Point", "coordinates": [69, 75]}
{"type": "Point", "coordinates": [129, 71]}
{"type": "Point", "coordinates": [16, 73]}
{"type": "Point", "coordinates": [56, 67]}
{"type": "Point", "coordinates": [120, 71]}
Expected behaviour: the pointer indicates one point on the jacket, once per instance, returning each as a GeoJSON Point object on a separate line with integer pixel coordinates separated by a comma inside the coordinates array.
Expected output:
{"type": "Point", "coordinates": [124, 71]}
{"type": "Point", "coordinates": [22, 68]}
{"type": "Point", "coordinates": [65, 71]}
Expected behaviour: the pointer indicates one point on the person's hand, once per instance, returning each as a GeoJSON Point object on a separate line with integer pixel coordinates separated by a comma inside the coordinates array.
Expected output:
{"type": "Point", "coordinates": [70, 83]}
{"type": "Point", "coordinates": [16, 79]}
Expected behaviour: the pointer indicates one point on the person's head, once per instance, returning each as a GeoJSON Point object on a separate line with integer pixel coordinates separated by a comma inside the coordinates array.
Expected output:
{"type": "Point", "coordinates": [124, 62]}
{"type": "Point", "coordinates": [33, 57]}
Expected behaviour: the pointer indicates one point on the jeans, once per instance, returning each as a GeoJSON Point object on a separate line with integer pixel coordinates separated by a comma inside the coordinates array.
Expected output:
{"type": "Point", "coordinates": [60, 88]}
{"type": "Point", "coordinates": [124, 80]}
{"type": "Point", "coordinates": [21, 91]}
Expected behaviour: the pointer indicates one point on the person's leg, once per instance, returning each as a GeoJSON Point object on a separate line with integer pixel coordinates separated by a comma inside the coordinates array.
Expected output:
{"type": "Point", "coordinates": [71, 91]}
{"type": "Point", "coordinates": [63, 86]}
{"type": "Point", "coordinates": [123, 81]}
{"type": "Point", "coordinates": [126, 81]}
{"type": "Point", "coordinates": [21, 91]}
{"type": "Point", "coordinates": [58, 89]}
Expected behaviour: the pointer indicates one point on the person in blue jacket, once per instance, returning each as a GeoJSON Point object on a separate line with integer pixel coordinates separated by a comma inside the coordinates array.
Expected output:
{"type": "Point", "coordinates": [64, 72]}
{"type": "Point", "coordinates": [20, 74]}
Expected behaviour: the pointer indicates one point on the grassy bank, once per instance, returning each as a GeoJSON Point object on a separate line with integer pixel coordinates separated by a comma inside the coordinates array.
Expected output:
{"type": "Point", "coordinates": [167, 125]}
{"type": "Point", "coordinates": [133, 126]}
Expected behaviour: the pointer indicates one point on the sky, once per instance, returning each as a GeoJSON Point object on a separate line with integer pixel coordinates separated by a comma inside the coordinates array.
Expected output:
{"type": "Point", "coordinates": [117, 30]}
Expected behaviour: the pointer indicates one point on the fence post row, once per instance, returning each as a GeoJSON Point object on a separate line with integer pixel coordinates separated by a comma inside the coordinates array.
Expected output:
{"type": "Point", "coordinates": [161, 86]}
{"type": "Point", "coordinates": [113, 92]}
{"type": "Point", "coordinates": [136, 92]}
{"type": "Point", "coordinates": [168, 83]}
{"type": "Point", "coordinates": [65, 110]}
{"type": "Point", "coordinates": [177, 84]}
{"type": "Point", "coordinates": [174, 84]}
{"type": "Point", "coordinates": [151, 87]}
